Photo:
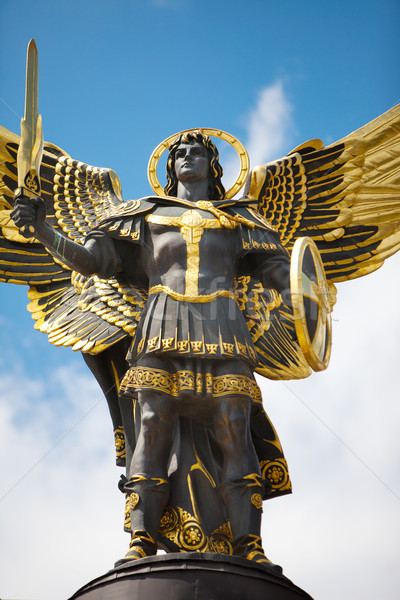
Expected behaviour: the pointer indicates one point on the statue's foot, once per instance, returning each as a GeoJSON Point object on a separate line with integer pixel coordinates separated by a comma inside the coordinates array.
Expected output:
{"type": "Point", "coordinates": [134, 553]}
{"type": "Point", "coordinates": [250, 547]}
{"type": "Point", "coordinates": [259, 557]}
{"type": "Point", "coordinates": [142, 545]}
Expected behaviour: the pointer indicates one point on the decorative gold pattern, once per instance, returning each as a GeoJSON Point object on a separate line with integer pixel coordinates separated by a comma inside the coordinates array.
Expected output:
{"type": "Point", "coordinates": [192, 226]}
{"type": "Point", "coordinates": [125, 208]}
{"type": "Point", "coordinates": [119, 439]}
{"type": "Point", "coordinates": [258, 245]}
{"type": "Point", "coordinates": [185, 346]}
{"type": "Point", "coordinates": [277, 474]}
{"type": "Point", "coordinates": [174, 384]}
{"type": "Point", "coordinates": [131, 501]}
{"type": "Point", "coordinates": [133, 550]}
{"type": "Point", "coordinates": [221, 539]}
{"type": "Point", "coordinates": [185, 530]}
{"type": "Point", "coordinates": [156, 480]}
{"type": "Point", "coordinates": [161, 148]}
{"type": "Point", "coordinates": [256, 500]}
{"type": "Point", "coordinates": [155, 289]}
{"type": "Point", "coordinates": [255, 550]}
{"type": "Point", "coordinates": [254, 480]}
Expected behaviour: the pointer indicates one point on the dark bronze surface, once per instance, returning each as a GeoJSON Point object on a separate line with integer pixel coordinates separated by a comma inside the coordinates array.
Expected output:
{"type": "Point", "coordinates": [191, 576]}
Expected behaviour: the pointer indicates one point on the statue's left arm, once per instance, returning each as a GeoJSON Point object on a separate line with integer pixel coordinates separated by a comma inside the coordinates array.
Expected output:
{"type": "Point", "coordinates": [273, 272]}
{"type": "Point", "coordinates": [266, 260]}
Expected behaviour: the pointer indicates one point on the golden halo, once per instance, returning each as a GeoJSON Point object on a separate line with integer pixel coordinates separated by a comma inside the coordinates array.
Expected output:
{"type": "Point", "coordinates": [218, 133]}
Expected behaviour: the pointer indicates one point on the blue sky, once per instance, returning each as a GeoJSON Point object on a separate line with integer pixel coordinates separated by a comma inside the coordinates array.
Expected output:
{"type": "Point", "coordinates": [115, 80]}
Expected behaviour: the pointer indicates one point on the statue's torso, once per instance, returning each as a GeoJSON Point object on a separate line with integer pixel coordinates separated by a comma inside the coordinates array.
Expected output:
{"type": "Point", "coordinates": [188, 252]}
{"type": "Point", "coordinates": [189, 257]}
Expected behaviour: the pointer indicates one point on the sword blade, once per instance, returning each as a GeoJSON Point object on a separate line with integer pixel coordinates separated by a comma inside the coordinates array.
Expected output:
{"type": "Point", "coordinates": [32, 88]}
{"type": "Point", "coordinates": [31, 146]}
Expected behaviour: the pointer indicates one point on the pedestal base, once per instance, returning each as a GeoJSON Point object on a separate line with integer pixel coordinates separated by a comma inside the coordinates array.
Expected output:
{"type": "Point", "coordinates": [191, 576]}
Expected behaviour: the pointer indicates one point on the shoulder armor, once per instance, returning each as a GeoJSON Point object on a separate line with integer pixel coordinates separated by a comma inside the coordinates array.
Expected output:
{"type": "Point", "coordinates": [129, 208]}
{"type": "Point", "coordinates": [253, 215]}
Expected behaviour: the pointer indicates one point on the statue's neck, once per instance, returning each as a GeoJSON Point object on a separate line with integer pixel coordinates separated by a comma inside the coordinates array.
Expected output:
{"type": "Point", "coordinates": [195, 191]}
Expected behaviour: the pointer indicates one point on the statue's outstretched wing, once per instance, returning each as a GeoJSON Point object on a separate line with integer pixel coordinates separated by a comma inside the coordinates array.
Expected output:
{"type": "Point", "coordinates": [345, 196]}
{"type": "Point", "coordinates": [87, 314]}
{"type": "Point", "coordinates": [77, 196]}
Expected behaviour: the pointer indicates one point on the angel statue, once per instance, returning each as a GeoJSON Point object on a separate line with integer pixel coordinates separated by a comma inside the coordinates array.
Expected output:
{"type": "Point", "coordinates": [176, 299]}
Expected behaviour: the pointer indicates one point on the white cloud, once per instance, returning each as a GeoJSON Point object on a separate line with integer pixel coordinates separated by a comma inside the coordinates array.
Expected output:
{"type": "Point", "coordinates": [269, 130]}
{"type": "Point", "coordinates": [61, 511]}
{"type": "Point", "coordinates": [269, 125]}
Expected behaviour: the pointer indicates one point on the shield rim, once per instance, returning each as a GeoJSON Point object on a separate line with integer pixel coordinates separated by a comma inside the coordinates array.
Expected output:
{"type": "Point", "coordinates": [316, 362]}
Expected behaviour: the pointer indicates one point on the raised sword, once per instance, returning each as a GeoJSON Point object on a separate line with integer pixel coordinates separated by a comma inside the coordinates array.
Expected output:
{"type": "Point", "coordinates": [30, 149]}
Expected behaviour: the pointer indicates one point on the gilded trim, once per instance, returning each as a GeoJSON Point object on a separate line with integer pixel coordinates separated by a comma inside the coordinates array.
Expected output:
{"type": "Point", "coordinates": [276, 472]}
{"type": "Point", "coordinates": [155, 289]}
{"type": "Point", "coordinates": [186, 531]}
{"type": "Point", "coordinates": [256, 500]}
{"type": "Point", "coordinates": [227, 137]}
{"type": "Point", "coordinates": [192, 226]}
{"type": "Point", "coordinates": [174, 384]}
{"type": "Point", "coordinates": [119, 440]}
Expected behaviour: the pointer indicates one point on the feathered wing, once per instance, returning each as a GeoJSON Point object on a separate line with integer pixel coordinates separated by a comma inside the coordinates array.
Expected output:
{"type": "Point", "coordinates": [74, 311]}
{"type": "Point", "coordinates": [271, 327]}
{"type": "Point", "coordinates": [345, 196]}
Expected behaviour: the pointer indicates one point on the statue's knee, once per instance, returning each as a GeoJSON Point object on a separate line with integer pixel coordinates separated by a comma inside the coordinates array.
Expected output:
{"type": "Point", "coordinates": [155, 428]}
{"type": "Point", "coordinates": [236, 422]}
{"type": "Point", "coordinates": [149, 424]}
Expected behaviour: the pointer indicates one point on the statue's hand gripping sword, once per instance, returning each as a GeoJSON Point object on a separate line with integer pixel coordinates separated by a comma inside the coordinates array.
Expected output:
{"type": "Point", "coordinates": [30, 150]}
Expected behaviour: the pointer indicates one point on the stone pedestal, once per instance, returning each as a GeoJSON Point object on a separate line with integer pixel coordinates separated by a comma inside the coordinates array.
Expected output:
{"type": "Point", "coordinates": [191, 576]}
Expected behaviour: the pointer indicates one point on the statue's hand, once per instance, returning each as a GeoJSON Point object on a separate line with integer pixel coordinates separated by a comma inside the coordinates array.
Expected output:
{"type": "Point", "coordinates": [28, 214]}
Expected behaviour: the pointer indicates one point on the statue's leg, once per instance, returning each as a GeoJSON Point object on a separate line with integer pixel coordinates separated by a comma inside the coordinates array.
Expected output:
{"type": "Point", "coordinates": [241, 487]}
{"type": "Point", "coordinates": [147, 487]}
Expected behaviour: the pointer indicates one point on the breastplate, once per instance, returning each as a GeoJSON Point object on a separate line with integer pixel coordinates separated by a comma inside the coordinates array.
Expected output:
{"type": "Point", "coordinates": [192, 226]}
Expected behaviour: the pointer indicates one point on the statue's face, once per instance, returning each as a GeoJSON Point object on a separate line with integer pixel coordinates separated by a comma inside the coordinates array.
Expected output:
{"type": "Point", "coordinates": [191, 162]}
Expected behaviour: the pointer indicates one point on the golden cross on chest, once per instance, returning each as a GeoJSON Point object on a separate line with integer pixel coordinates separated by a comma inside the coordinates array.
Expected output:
{"type": "Point", "coordinates": [192, 226]}
{"type": "Point", "coordinates": [190, 223]}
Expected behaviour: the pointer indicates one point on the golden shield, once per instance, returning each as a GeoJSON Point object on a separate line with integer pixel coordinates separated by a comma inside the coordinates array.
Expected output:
{"type": "Point", "coordinates": [310, 300]}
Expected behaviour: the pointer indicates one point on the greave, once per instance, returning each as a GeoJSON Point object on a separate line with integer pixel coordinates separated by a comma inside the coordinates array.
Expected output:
{"type": "Point", "coordinates": [242, 498]}
{"type": "Point", "coordinates": [146, 498]}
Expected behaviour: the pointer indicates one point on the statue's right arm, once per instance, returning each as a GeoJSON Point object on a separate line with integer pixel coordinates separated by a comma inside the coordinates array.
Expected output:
{"type": "Point", "coordinates": [30, 213]}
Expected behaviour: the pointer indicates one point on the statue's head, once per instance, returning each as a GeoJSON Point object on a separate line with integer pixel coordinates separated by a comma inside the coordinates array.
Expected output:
{"type": "Point", "coordinates": [216, 190]}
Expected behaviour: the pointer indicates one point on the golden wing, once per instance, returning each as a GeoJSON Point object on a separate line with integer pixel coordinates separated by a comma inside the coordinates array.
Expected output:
{"type": "Point", "coordinates": [271, 326]}
{"type": "Point", "coordinates": [76, 197]}
{"type": "Point", "coordinates": [345, 196]}
{"type": "Point", "coordinates": [23, 261]}
{"type": "Point", "coordinates": [89, 315]}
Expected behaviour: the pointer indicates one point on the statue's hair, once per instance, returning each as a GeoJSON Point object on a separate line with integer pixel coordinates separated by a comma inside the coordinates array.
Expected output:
{"type": "Point", "coordinates": [216, 190]}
